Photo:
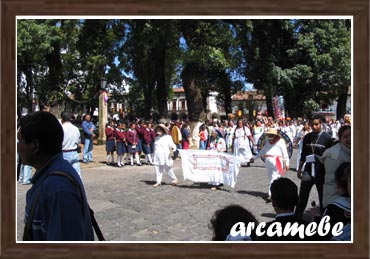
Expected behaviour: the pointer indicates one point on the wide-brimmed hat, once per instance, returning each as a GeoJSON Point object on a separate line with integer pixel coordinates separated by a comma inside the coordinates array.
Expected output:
{"type": "Point", "coordinates": [163, 127]}
{"type": "Point", "coordinates": [272, 131]}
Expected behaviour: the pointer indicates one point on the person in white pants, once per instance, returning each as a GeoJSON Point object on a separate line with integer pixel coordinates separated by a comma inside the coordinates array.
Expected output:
{"type": "Point", "coordinates": [162, 155]}
{"type": "Point", "coordinates": [275, 153]}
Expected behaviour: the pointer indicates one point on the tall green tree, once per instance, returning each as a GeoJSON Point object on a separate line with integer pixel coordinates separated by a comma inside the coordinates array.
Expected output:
{"type": "Point", "coordinates": [265, 44]}
{"type": "Point", "coordinates": [97, 46]}
{"type": "Point", "coordinates": [208, 64]}
{"type": "Point", "coordinates": [151, 53]}
{"type": "Point", "coordinates": [37, 42]}
{"type": "Point", "coordinates": [323, 60]}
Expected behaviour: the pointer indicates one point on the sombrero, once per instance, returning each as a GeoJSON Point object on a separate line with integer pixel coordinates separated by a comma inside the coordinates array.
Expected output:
{"type": "Point", "coordinates": [272, 131]}
{"type": "Point", "coordinates": [281, 134]}
{"type": "Point", "coordinates": [163, 127]}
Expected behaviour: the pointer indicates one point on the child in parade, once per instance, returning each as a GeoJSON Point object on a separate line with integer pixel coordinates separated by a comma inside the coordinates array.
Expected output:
{"type": "Point", "coordinates": [145, 137]}
{"type": "Point", "coordinates": [110, 144]}
{"type": "Point", "coordinates": [162, 155]}
{"type": "Point", "coordinates": [133, 142]}
{"type": "Point", "coordinates": [121, 143]}
{"type": "Point", "coordinates": [275, 153]}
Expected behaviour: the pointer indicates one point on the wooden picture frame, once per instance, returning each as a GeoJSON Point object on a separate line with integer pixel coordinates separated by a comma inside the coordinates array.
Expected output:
{"type": "Point", "coordinates": [359, 9]}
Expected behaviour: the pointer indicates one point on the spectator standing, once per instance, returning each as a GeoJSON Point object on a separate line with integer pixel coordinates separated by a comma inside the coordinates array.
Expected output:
{"type": "Point", "coordinates": [176, 137]}
{"type": "Point", "coordinates": [284, 196]}
{"type": "Point", "coordinates": [88, 128]}
{"type": "Point", "coordinates": [314, 145]}
{"type": "Point", "coordinates": [55, 209]}
{"type": "Point", "coordinates": [71, 141]}
{"type": "Point", "coordinates": [299, 140]}
{"type": "Point", "coordinates": [203, 136]}
{"type": "Point", "coordinates": [332, 158]}
{"type": "Point", "coordinates": [185, 132]}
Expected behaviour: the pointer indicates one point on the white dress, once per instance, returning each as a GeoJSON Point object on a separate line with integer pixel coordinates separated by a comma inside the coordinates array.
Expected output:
{"type": "Point", "coordinates": [240, 150]}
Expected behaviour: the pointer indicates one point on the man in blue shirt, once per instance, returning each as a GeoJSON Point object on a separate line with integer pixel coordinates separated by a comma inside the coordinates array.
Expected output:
{"type": "Point", "coordinates": [56, 208]}
{"type": "Point", "coordinates": [88, 130]}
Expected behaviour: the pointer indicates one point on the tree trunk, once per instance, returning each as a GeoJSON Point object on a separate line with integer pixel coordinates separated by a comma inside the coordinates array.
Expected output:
{"type": "Point", "coordinates": [29, 87]}
{"type": "Point", "coordinates": [162, 95]}
{"type": "Point", "coordinates": [342, 106]}
{"type": "Point", "coordinates": [270, 109]}
{"type": "Point", "coordinates": [193, 93]}
{"type": "Point", "coordinates": [227, 101]}
{"type": "Point", "coordinates": [148, 99]}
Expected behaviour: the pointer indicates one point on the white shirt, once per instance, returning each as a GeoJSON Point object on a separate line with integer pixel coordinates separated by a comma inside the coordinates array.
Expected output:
{"type": "Point", "coordinates": [162, 150]}
{"type": "Point", "coordinates": [277, 149]}
{"type": "Point", "coordinates": [71, 136]}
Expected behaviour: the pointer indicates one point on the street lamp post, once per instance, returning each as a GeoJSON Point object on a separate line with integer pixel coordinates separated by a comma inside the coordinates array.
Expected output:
{"type": "Point", "coordinates": [103, 111]}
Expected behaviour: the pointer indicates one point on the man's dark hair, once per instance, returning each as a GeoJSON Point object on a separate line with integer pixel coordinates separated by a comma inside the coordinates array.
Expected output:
{"type": "Point", "coordinates": [317, 117]}
{"type": "Point", "coordinates": [66, 116]}
{"type": "Point", "coordinates": [284, 193]}
{"type": "Point", "coordinates": [224, 219]}
{"type": "Point", "coordinates": [342, 130]}
{"type": "Point", "coordinates": [44, 127]}
{"type": "Point", "coordinates": [341, 177]}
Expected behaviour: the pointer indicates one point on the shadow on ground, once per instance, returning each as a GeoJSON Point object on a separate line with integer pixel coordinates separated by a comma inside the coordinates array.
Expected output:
{"type": "Point", "coordinates": [263, 195]}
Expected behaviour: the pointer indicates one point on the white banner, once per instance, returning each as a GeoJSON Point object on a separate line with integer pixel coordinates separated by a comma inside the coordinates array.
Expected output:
{"type": "Point", "coordinates": [209, 166]}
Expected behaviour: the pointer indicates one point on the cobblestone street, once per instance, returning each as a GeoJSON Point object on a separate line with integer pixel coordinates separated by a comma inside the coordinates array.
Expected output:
{"type": "Point", "coordinates": [128, 208]}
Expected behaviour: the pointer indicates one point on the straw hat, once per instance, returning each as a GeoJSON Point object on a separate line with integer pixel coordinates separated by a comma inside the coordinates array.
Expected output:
{"type": "Point", "coordinates": [163, 127]}
{"type": "Point", "coordinates": [272, 131]}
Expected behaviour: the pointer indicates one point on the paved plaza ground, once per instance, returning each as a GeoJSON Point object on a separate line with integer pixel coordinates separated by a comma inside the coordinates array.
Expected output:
{"type": "Point", "coordinates": [128, 208]}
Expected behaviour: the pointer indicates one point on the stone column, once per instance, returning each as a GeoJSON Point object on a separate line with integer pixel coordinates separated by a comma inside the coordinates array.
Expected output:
{"type": "Point", "coordinates": [103, 117]}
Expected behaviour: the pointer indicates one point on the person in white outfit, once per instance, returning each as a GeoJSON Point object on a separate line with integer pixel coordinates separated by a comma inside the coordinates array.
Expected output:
{"type": "Point", "coordinates": [276, 157]}
{"type": "Point", "coordinates": [162, 155]}
{"type": "Point", "coordinates": [299, 140]}
{"type": "Point", "coordinates": [242, 135]}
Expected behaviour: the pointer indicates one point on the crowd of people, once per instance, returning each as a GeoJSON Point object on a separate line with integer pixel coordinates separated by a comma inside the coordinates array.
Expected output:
{"type": "Point", "coordinates": [322, 150]}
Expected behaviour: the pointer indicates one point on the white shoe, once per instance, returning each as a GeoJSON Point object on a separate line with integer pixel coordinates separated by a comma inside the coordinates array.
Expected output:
{"type": "Point", "coordinates": [174, 182]}
{"type": "Point", "coordinates": [156, 185]}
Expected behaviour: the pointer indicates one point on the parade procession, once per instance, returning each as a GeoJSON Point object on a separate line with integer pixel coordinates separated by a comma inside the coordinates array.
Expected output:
{"type": "Point", "coordinates": [184, 130]}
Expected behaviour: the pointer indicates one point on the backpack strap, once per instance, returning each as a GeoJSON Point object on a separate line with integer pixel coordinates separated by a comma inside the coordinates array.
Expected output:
{"type": "Point", "coordinates": [27, 232]}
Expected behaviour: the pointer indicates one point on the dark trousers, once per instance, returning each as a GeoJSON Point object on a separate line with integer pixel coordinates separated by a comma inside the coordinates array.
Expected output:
{"type": "Point", "coordinates": [176, 153]}
{"type": "Point", "coordinates": [304, 192]}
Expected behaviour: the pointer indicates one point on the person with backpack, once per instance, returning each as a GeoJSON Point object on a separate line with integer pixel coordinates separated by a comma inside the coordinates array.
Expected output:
{"type": "Point", "coordinates": [55, 209]}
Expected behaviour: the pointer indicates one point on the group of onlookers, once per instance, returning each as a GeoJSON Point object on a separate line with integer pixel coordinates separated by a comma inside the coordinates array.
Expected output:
{"type": "Point", "coordinates": [324, 162]}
